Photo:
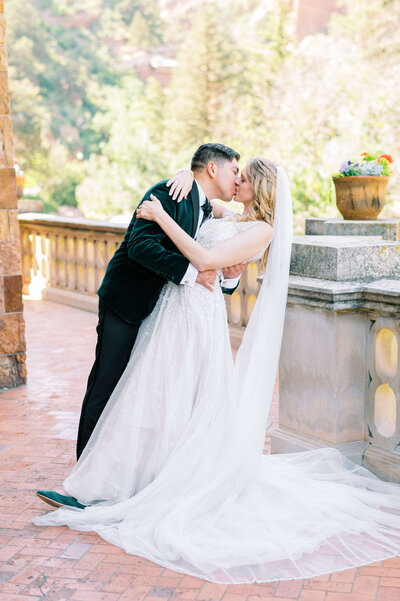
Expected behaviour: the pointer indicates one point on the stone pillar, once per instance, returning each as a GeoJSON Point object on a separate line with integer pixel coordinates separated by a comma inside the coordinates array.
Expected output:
{"type": "Point", "coordinates": [12, 336]}
{"type": "Point", "coordinates": [339, 372]}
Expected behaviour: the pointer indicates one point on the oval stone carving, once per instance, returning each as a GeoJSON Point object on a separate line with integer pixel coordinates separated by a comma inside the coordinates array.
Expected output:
{"type": "Point", "coordinates": [385, 410]}
{"type": "Point", "coordinates": [386, 354]}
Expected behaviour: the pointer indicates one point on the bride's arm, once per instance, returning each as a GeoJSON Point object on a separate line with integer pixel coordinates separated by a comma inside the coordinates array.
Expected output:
{"type": "Point", "coordinates": [241, 248]}
{"type": "Point", "coordinates": [180, 184]}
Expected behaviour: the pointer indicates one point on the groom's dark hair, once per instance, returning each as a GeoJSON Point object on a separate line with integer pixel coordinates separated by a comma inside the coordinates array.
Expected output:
{"type": "Point", "coordinates": [212, 152]}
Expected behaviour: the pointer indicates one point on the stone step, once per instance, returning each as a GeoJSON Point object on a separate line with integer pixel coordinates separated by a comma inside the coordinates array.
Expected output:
{"type": "Point", "coordinates": [345, 258]}
{"type": "Point", "coordinates": [387, 229]}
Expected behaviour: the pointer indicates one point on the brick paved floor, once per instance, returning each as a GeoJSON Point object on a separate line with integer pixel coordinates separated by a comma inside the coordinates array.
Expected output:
{"type": "Point", "coordinates": [37, 432]}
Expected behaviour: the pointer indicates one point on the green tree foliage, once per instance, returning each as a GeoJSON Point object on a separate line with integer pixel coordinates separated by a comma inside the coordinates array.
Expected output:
{"type": "Point", "coordinates": [59, 59]}
{"type": "Point", "coordinates": [241, 77]}
{"type": "Point", "coordinates": [146, 28]}
{"type": "Point", "coordinates": [206, 80]}
{"type": "Point", "coordinates": [130, 160]}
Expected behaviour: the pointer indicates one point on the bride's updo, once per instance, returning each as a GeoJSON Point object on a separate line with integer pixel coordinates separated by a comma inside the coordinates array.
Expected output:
{"type": "Point", "coordinates": [262, 175]}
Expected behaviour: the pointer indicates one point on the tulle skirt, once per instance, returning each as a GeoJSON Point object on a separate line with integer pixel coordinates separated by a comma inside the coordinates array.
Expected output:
{"type": "Point", "coordinates": [170, 477]}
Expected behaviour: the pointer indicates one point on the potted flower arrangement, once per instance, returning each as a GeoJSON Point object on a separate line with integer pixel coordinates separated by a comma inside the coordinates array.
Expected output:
{"type": "Point", "coordinates": [361, 186]}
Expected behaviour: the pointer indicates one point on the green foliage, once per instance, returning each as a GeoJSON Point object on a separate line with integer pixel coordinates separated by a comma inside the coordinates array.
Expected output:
{"type": "Point", "coordinates": [130, 160]}
{"type": "Point", "coordinates": [62, 176]}
{"type": "Point", "coordinates": [63, 188]}
{"type": "Point", "coordinates": [205, 83]}
{"type": "Point", "coordinates": [241, 77]}
{"type": "Point", "coordinates": [146, 28]}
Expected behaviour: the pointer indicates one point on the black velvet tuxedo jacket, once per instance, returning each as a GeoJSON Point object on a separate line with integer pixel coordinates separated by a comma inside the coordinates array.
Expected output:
{"type": "Point", "coordinates": [147, 258]}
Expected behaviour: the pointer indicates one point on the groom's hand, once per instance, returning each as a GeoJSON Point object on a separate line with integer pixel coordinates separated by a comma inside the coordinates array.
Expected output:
{"type": "Point", "coordinates": [233, 272]}
{"type": "Point", "coordinates": [207, 279]}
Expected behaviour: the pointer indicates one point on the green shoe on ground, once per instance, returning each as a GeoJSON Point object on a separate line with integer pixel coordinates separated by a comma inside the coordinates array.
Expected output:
{"type": "Point", "coordinates": [54, 499]}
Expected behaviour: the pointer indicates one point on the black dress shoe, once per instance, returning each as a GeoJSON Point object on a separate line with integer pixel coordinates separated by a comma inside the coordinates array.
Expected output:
{"type": "Point", "coordinates": [54, 499]}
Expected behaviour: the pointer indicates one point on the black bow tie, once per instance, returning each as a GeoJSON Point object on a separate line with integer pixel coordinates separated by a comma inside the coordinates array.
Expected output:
{"type": "Point", "coordinates": [207, 208]}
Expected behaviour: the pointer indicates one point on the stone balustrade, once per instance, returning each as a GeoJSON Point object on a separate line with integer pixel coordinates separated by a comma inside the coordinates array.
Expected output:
{"type": "Point", "coordinates": [64, 260]}
{"type": "Point", "coordinates": [339, 371]}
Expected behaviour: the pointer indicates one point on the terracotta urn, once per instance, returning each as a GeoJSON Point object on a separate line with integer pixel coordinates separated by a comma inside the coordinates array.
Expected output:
{"type": "Point", "coordinates": [360, 197]}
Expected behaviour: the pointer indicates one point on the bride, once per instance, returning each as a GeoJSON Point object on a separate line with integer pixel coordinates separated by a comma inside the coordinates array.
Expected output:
{"type": "Point", "coordinates": [174, 469]}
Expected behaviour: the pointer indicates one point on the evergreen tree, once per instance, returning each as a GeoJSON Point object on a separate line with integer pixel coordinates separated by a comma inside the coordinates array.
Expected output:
{"type": "Point", "coordinates": [146, 29]}
{"type": "Point", "coordinates": [207, 75]}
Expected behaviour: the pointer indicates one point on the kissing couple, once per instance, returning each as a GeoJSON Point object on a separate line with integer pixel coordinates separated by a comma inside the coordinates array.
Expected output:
{"type": "Point", "coordinates": [170, 445]}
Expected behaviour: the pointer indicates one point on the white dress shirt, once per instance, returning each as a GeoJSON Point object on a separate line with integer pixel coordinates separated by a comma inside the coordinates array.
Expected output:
{"type": "Point", "coordinates": [190, 276]}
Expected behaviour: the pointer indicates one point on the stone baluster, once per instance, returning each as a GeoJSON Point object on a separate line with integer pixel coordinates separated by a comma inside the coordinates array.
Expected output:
{"type": "Point", "coordinates": [12, 336]}
{"type": "Point", "coordinates": [64, 260]}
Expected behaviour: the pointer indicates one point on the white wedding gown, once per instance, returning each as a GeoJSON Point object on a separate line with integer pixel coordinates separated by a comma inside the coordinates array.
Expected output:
{"type": "Point", "coordinates": [183, 482]}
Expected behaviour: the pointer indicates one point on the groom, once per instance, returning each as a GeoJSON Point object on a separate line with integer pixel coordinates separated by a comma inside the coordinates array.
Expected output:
{"type": "Point", "coordinates": [144, 262]}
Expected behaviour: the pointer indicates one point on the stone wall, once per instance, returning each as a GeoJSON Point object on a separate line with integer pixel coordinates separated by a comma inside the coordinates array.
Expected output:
{"type": "Point", "coordinates": [12, 329]}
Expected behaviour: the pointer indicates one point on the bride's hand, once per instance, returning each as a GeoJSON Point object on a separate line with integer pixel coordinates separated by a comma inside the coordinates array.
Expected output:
{"type": "Point", "coordinates": [150, 209]}
{"type": "Point", "coordinates": [181, 184]}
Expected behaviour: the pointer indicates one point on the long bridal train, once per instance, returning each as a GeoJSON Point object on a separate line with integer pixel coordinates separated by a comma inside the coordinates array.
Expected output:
{"type": "Point", "coordinates": [176, 457]}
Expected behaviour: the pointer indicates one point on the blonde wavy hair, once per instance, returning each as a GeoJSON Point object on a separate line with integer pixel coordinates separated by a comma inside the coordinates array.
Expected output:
{"type": "Point", "coordinates": [262, 175]}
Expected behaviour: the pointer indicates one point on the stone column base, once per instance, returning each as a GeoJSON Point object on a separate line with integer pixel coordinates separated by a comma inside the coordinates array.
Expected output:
{"type": "Point", "coordinates": [383, 463]}
{"type": "Point", "coordinates": [285, 440]}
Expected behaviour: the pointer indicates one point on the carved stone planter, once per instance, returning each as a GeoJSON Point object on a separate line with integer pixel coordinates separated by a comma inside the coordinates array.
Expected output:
{"type": "Point", "coordinates": [360, 197]}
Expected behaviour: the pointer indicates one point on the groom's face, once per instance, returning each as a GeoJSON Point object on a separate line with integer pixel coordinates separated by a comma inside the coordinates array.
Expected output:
{"type": "Point", "coordinates": [226, 178]}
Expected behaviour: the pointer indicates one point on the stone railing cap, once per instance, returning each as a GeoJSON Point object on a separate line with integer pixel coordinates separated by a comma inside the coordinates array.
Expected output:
{"type": "Point", "coordinates": [71, 223]}
{"type": "Point", "coordinates": [343, 241]}
{"type": "Point", "coordinates": [380, 220]}
{"type": "Point", "coordinates": [382, 295]}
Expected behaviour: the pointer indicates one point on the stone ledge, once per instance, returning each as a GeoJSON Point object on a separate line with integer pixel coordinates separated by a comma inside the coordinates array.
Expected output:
{"type": "Point", "coordinates": [387, 229]}
{"type": "Point", "coordinates": [345, 296]}
{"type": "Point", "coordinates": [72, 299]}
{"type": "Point", "coordinates": [63, 223]}
{"type": "Point", "coordinates": [286, 440]}
{"type": "Point", "coordinates": [383, 463]}
{"type": "Point", "coordinates": [389, 287]}
{"type": "Point", "coordinates": [345, 258]}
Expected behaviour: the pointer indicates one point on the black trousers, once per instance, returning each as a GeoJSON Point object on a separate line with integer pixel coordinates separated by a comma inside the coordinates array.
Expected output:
{"type": "Point", "coordinates": [115, 340]}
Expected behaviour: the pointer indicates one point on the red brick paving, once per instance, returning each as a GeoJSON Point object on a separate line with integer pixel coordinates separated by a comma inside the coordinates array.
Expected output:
{"type": "Point", "coordinates": [37, 449]}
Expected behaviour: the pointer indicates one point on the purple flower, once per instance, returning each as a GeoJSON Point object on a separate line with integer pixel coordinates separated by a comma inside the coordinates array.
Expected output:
{"type": "Point", "coordinates": [345, 166]}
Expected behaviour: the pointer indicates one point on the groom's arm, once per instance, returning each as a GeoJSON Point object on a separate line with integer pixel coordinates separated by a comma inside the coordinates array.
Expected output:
{"type": "Point", "coordinates": [233, 286]}
{"type": "Point", "coordinates": [145, 242]}
{"type": "Point", "coordinates": [231, 277]}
